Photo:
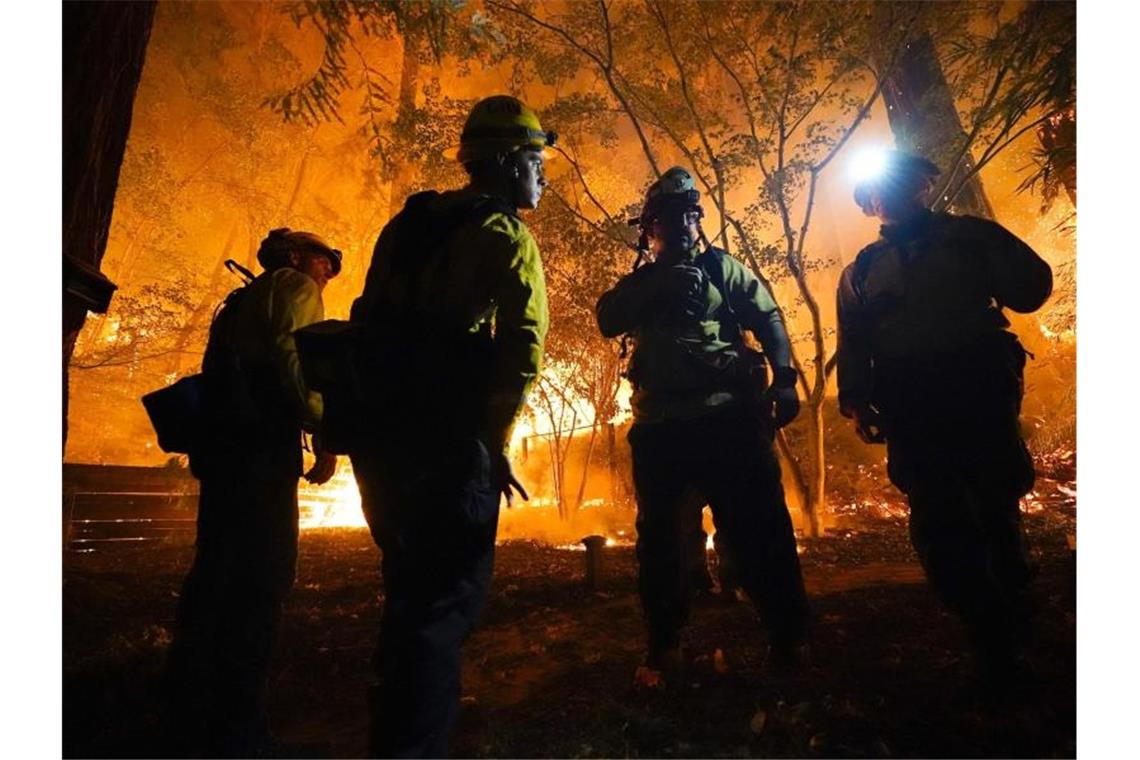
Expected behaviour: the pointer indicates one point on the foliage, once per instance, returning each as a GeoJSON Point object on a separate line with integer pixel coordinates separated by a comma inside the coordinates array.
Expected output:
{"type": "Point", "coordinates": [1016, 75]}
{"type": "Point", "coordinates": [740, 94]}
{"type": "Point", "coordinates": [142, 325]}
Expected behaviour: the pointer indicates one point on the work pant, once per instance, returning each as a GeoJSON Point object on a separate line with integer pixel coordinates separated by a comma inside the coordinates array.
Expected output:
{"type": "Point", "coordinates": [954, 448]}
{"type": "Point", "coordinates": [696, 540]}
{"type": "Point", "coordinates": [965, 522]}
{"type": "Point", "coordinates": [728, 457]}
{"type": "Point", "coordinates": [230, 607]}
{"type": "Point", "coordinates": [433, 513]}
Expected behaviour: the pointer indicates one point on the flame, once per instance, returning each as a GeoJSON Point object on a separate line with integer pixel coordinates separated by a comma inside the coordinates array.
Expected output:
{"type": "Point", "coordinates": [611, 541]}
{"type": "Point", "coordinates": [336, 504]}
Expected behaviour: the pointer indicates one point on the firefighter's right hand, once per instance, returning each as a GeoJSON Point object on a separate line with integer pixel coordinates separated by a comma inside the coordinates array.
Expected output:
{"type": "Point", "coordinates": [682, 285]}
{"type": "Point", "coordinates": [869, 425]}
{"type": "Point", "coordinates": [322, 470]}
{"type": "Point", "coordinates": [504, 480]}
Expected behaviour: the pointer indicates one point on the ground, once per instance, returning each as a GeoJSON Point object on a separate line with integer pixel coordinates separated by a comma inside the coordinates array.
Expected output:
{"type": "Point", "coordinates": [549, 672]}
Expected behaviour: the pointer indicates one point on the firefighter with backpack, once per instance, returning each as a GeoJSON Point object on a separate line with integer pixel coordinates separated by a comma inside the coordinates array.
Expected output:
{"type": "Point", "coordinates": [703, 420]}
{"type": "Point", "coordinates": [248, 459]}
{"type": "Point", "coordinates": [453, 317]}
{"type": "Point", "coordinates": [926, 365]}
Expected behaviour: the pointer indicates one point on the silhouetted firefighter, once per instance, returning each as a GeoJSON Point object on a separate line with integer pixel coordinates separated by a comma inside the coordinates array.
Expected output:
{"type": "Point", "coordinates": [926, 364]}
{"type": "Point", "coordinates": [453, 318]}
{"type": "Point", "coordinates": [702, 418]}
{"type": "Point", "coordinates": [248, 460]}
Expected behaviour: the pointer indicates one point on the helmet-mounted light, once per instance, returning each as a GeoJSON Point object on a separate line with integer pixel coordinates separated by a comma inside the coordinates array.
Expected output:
{"type": "Point", "coordinates": [891, 172]}
{"type": "Point", "coordinates": [868, 164]}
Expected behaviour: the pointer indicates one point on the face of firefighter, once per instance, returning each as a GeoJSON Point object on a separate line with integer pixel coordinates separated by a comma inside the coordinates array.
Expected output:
{"type": "Point", "coordinates": [673, 233]}
{"type": "Point", "coordinates": [316, 265]}
{"type": "Point", "coordinates": [901, 203]}
{"type": "Point", "coordinates": [529, 177]}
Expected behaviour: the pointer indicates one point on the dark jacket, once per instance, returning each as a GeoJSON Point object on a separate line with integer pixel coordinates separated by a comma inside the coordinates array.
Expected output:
{"type": "Point", "coordinates": [674, 364]}
{"type": "Point", "coordinates": [935, 286]}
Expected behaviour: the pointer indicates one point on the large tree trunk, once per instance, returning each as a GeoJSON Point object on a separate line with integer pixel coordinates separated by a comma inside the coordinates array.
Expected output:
{"type": "Point", "coordinates": [405, 171]}
{"type": "Point", "coordinates": [924, 120]}
{"type": "Point", "coordinates": [586, 466]}
{"type": "Point", "coordinates": [104, 45]}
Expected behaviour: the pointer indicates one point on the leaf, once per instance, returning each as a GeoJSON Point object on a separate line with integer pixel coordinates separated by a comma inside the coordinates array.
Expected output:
{"type": "Point", "coordinates": [758, 722]}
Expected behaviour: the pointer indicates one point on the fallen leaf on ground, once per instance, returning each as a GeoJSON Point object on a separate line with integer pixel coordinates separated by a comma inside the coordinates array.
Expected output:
{"type": "Point", "coordinates": [759, 720]}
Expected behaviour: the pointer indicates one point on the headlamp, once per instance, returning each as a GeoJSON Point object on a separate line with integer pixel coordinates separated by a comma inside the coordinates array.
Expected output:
{"type": "Point", "coordinates": [868, 165]}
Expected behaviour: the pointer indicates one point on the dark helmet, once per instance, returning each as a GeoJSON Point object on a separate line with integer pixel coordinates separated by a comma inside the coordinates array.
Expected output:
{"type": "Point", "coordinates": [902, 174]}
{"type": "Point", "coordinates": [675, 190]}
{"type": "Point", "coordinates": [279, 243]}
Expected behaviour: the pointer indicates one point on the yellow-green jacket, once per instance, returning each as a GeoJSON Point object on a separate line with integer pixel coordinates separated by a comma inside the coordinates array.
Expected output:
{"type": "Point", "coordinates": [275, 305]}
{"type": "Point", "coordinates": [487, 278]}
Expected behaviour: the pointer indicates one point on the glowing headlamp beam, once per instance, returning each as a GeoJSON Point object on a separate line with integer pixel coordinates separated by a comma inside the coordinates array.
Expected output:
{"type": "Point", "coordinates": [868, 164]}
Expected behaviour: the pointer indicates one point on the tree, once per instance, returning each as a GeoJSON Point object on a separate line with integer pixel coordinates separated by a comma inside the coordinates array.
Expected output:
{"type": "Point", "coordinates": [767, 94]}
{"type": "Point", "coordinates": [758, 100]}
{"type": "Point", "coordinates": [583, 371]}
{"type": "Point", "coordinates": [104, 46]}
{"type": "Point", "coordinates": [1015, 76]}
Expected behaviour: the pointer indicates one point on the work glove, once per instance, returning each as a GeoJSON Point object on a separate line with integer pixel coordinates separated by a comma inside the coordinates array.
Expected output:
{"type": "Point", "coordinates": [324, 467]}
{"type": "Point", "coordinates": [869, 424]}
{"type": "Point", "coordinates": [504, 480]}
{"type": "Point", "coordinates": [682, 286]}
{"type": "Point", "coordinates": [785, 405]}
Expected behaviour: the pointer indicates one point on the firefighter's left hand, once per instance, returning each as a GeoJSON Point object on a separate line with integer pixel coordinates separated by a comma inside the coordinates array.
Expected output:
{"type": "Point", "coordinates": [322, 470]}
{"type": "Point", "coordinates": [785, 407]}
{"type": "Point", "coordinates": [504, 480]}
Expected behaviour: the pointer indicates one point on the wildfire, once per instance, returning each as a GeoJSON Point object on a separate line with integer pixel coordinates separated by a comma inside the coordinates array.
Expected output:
{"type": "Point", "coordinates": [581, 547]}
{"type": "Point", "coordinates": [336, 504]}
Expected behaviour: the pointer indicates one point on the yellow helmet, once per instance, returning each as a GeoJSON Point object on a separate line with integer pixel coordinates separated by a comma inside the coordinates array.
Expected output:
{"type": "Point", "coordinates": [500, 124]}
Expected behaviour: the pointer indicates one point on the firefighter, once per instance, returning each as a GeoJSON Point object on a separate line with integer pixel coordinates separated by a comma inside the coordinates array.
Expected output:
{"type": "Point", "coordinates": [454, 307]}
{"type": "Point", "coordinates": [248, 465]}
{"type": "Point", "coordinates": [700, 423]}
{"type": "Point", "coordinates": [927, 365]}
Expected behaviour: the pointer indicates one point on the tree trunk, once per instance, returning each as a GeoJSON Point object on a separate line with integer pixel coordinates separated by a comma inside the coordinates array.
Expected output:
{"type": "Point", "coordinates": [405, 170]}
{"type": "Point", "coordinates": [206, 308]}
{"type": "Point", "coordinates": [611, 462]}
{"type": "Point", "coordinates": [586, 466]}
{"type": "Point", "coordinates": [814, 505]}
{"type": "Point", "coordinates": [104, 46]}
{"type": "Point", "coordinates": [924, 120]}
{"type": "Point", "coordinates": [799, 481]}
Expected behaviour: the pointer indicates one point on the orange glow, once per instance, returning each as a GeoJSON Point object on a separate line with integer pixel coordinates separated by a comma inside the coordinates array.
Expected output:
{"type": "Point", "coordinates": [333, 505]}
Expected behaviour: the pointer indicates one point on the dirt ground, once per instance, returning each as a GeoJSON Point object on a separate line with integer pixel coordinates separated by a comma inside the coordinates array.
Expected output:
{"type": "Point", "coordinates": [549, 672]}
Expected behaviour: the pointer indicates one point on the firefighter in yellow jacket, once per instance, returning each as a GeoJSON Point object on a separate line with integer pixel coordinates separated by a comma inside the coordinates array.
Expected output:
{"type": "Point", "coordinates": [248, 464]}
{"type": "Point", "coordinates": [454, 307]}
{"type": "Point", "coordinates": [925, 363]}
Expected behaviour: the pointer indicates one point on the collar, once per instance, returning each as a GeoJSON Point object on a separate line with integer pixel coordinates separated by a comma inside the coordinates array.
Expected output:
{"type": "Point", "coordinates": [689, 257]}
{"type": "Point", "coordinates": [907, 230]}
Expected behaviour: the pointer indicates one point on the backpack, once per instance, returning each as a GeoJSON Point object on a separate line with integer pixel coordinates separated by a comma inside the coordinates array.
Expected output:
{"type": "Point", "coordinates": [234, 391]}
{"type": "Point", "coordinates": [185, 414]}
{"type": "Point", "coordinates": [398, 372]}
